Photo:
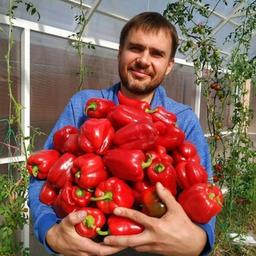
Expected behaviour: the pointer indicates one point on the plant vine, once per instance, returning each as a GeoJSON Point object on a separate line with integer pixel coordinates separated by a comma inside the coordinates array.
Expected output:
{"type": "Point", "coordinates": [79, 45]}
{"type": "Point", "coordinates": [222, 79]}
{"type": "Point", "coordinates": [13, 211]}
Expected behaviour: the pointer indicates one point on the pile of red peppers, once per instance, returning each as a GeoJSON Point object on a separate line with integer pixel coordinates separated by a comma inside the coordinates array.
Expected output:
{"type": "Point", "coordinates": [115, 159]}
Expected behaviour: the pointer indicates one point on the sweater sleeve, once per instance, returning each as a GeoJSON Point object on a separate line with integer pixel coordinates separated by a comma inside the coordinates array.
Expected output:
{"type": "Point", "coordinates": [43, 216]}
{"type": "Point", "coordinates": [189, 123]}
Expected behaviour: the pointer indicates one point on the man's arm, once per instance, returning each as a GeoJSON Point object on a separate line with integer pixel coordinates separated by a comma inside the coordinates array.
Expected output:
{"type": "Point", "coordinates": [189, 123]}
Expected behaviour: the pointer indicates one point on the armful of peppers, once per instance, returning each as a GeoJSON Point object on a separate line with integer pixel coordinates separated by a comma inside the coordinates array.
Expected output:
{"type": "Point", "coordinates": [115, 159]}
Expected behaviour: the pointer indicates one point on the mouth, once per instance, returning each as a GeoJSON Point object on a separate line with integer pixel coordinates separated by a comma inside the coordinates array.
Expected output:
{"type": "Point", "coordinates": [139, 73]}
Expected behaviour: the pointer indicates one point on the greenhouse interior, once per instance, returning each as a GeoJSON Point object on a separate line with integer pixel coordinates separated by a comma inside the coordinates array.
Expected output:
{"type": "Point", "coordinates": [58, 62]}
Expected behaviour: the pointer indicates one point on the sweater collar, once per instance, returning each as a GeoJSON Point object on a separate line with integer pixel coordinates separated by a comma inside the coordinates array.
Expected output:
{"type": "Point", "coordinates": [159, 94]}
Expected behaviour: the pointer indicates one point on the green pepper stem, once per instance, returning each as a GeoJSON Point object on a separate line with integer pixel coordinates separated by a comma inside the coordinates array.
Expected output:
{"type": "Point", "coordinates": [211, 195]}
{"type": "Point", "coordinates": [147, 163]}
{"type": "Point", "coordinates": [79, 192]}
{"type": "Point", "coordinates": [102, 232]}
{"type": "Point", "coordinates": [35, 170]}
{"type": "Point", "coordinates": [159, 168]}
{"type": "Point", "coordinates": [108, 196]}
{"type": "Point", "coordinates": [151, 111]}
{"type": "Point", "coordinates": [89, 221]}
{"type": "Point", "coordinates": [92, 106]}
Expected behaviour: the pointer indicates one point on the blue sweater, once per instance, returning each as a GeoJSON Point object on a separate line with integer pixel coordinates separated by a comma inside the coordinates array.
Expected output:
{"type": "Point", "coordinates": [44, 217]}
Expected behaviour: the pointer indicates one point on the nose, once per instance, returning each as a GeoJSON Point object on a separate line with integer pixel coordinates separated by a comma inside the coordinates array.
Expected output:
{"type": "Point", "coordinates": [143, 59]}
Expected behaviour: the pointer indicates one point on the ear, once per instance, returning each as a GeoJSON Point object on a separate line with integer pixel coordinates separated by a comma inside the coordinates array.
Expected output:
{"type": "Point", "coordinates": [169, 67]}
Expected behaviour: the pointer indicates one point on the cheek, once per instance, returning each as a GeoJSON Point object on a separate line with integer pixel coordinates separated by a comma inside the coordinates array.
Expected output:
{"type": "Point", "coordinates": [161, 68]}
{"type": "Point", "coordinates": [128, 58]}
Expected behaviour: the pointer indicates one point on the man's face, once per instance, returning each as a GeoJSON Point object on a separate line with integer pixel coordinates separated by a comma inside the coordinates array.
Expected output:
{"type": "Point", "coordinates": [144, 60]}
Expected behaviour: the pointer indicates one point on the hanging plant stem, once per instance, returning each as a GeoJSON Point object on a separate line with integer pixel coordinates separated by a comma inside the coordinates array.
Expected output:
{"type": "Point", "coordinates": [79, 44]}
{"type": "Point", "coordinates": [13, 195]}
{"type": "Point", "coordinates": [233, 156]}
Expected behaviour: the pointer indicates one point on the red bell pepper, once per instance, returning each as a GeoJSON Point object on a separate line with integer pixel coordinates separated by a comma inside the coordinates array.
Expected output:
{"type": "Point", "coordinates": [138, 188]}
{"type": "Point", "coordinates": [48, 194]}
{"type": "Point", "coordinates": [186, 152]}
{"type": "Point", "coordinates": [112, 193]}
{"type": "Point", "coordinates": [39, 163]}
{"type": "Point", "coordinates": [96, 135]}
{"type": "Point", "coordinates": [70, 198]}
{"type": "Point", "coordinates": [159, 152]}
{"type": "Point", "coordinates": [163, 115]}
{"type": "Point", "coordinates": [60, 172]}
{"type": "Point", "coordinates": [91, 226]}
{"type": "Point", "coordinates": [201, 202]}
{"type": "Point", "coordinates": [136, 136]}
{"type": "Point", "coordinates": [122, 115]}
{"type": "Point", "coordinates": [189, 173]}
{"type": "Point", "coordinates": [98, 108]}
{"type": "Point", "coordinates": [170, 136]}
{"type": "Point", "coordinates": [152, 205]}
{"type": "Point", "coordinates": [89, 171]}
{"type": "Point", "coordinates": [159, 171]}
{"type": "Point", "coordinates": [61, 135]}
{"type": "Point", "coordinates": [139, 104]}
{"type": "Point", "coordinates": [72, 146]}
{"type": "Point", "coordinates": [120, 226]}
{"type": "Point", "coordinates": [127, 164]}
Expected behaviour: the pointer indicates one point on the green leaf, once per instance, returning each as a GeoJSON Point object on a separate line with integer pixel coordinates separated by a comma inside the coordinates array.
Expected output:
{"type": "Point", "coordinates": [33, 11]}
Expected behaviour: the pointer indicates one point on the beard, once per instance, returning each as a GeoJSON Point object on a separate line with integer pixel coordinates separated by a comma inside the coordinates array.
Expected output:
{"type": "Point", "coordinates": [136, 86]}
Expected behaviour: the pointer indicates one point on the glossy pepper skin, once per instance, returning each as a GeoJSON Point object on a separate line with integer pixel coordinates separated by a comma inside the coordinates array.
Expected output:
{"type": "Point", "coordinates": [201, 202]}
{"type": "Point", "coordinates": [61, 136]}
{"type": "Point", "coordinates": [121, 226]}
{"type": "Point", "coordinates": [140, 135]}
{"type": "Point", "coordinates": [96, 135]}
{"type": "Point", "coordinates": [159, 152]}
{"type": "Point", "coordinates": [91, 225]}
{"type": "Point", "coordinates": [112, 193]}
{"type": "Point", "coordinates": [189, 173]}
{"type": "Point", "coordinates": [48, 194]}
{"type": "Point", "coordinates": [89, 171]}
{"type": "Point", "coordinates": [160, 171]}
{"type": "Point", "coordinates": [138, 188]}
{"type": "Point", "coordinates": [39, 163]}
{"type": "Point", "coordinates": [152, 205]}
{"type": "Point", "coordinates": [72, 146]}
{"type": "Point", "coordinates": [70, 198]}
{"type": "Point", "coordinates": [127, 164]}
{"type": "Point", "coordinates": [170, 136]}
{"type": "Point", "coordinates": [139, 104]}
{"type": "Point", "coordinates": [122, 115]}
{"type": "Point", "coordinates": [186, 152]}
{"type": "Point", "coordinates": [161, 114]}
{"type": "Point", "coordinates": [60, 172]}
{"type": "Point", "coordinates": [98, 108]}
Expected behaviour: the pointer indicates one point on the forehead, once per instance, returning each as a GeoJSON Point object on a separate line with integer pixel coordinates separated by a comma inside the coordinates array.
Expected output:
{"type": "Point", "coordinates": [159, 37]}
{"type": "Point", "coordinates": [147, 32]}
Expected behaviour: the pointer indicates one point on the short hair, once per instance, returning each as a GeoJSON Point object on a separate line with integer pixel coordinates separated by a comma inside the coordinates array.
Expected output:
{"type": "Point", "coordinates": [150, 21]}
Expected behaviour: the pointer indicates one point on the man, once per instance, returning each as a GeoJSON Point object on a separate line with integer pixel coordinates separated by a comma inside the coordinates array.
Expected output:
{"type": "Point", "coordinates": [148, 43]}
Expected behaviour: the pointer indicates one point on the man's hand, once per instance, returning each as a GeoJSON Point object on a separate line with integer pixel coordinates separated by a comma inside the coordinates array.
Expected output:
{"type": "Point", "coordinates": [172, 234]}
{"type": "Point", "coordinates": [64, 239]}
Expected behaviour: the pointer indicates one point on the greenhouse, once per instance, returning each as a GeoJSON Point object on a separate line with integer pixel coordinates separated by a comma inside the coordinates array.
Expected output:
{"type": "Point", "coordinates": [97, 108]}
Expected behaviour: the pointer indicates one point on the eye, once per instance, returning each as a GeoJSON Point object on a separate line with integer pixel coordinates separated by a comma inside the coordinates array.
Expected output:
{"type": "Point", "coordinates": [157, 54]}
{"type": "Point", "coordinates": [135, 47]}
